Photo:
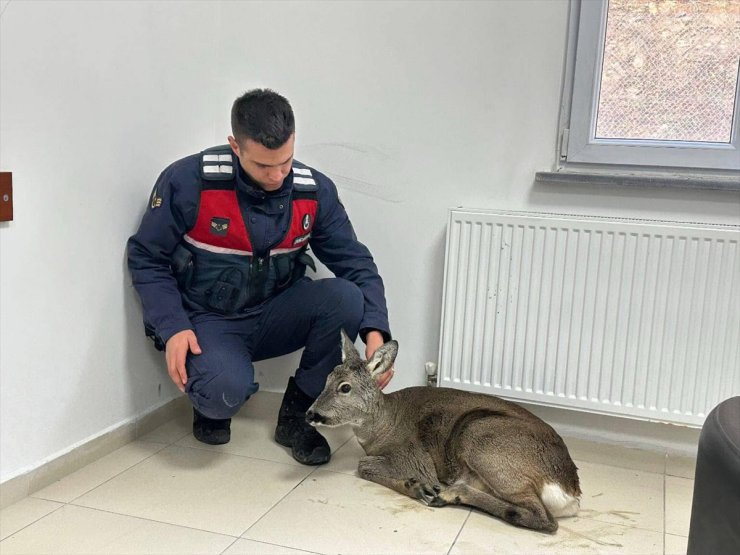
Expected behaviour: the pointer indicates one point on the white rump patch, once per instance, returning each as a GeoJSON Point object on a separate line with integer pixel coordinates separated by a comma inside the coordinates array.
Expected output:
{"type": "Point", "coordinates": [558, 502]}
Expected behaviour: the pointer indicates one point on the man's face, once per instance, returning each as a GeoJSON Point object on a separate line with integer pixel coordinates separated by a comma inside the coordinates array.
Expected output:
{"type": "Point", "coordinates": [265, 166]}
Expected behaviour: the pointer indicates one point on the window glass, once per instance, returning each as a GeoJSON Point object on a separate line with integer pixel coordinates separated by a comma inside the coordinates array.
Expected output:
{"type": "Point", "coordinates": [670, 70]}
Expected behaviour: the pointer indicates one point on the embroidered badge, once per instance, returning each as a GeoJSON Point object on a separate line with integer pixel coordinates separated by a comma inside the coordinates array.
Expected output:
{"type": "Point", "coordinates": [306, 221]}
{"type": "Point", "coordinates": [219, 226]}
{"type": "Point", "coordinates": [301, 239]}
{"type": "Point", "coordinates": [156, 201]}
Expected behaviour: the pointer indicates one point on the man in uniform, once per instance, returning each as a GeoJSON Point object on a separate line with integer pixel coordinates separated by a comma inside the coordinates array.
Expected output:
{"type": "Point", "coordinates": [219, 262]}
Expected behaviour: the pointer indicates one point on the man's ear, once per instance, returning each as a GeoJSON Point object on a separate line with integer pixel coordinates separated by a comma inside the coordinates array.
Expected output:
{"type": "Point", "coordinates": [383, 358]}
{"type": "Point", "coordinates": [234, 145]}
{"type": "Point", "coordinates": [349, 352]}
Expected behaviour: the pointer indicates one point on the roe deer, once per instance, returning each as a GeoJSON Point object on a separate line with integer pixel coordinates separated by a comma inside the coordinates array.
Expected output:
{"type": "Point", "coordinates": [449, 447]}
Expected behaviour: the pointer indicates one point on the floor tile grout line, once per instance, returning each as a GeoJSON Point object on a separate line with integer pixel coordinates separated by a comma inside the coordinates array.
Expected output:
{"type": "Point", "coordinates": [229, 546]}
{"type": "Point", "coordinates": [311, 473]}
{"type": "Point", "coordinates": [207, 450]}
{"type": "Point", "coordinates": [272, 544]}
{"type": "Point", "coordinates": [161, 442]}
{"type": "Point", "coordinates": [153, 520]}
{"type": "Point", "coordinates": [665, 499]}
{"type": "Point", "coordinates": [176, 419]}
{"type": "Point", "coordinates": [155, 442]}
{"type": "Point", "coordinates": [462, 526]}
{"type": "Point", "coordinates": [62, 505]}
{"type": "Point", "coordinates": [278, 501]}
{"type": "Point", "coordinates": [101, 483]}
{"type": "Point", "coordinates": [199, 448]}
{"type": "Point", "coordinates": [163, 446]}
{"type": "Point", "coordinates": [345, 442]}
{"type": "Point", "coordinates": [618, 467]}
{"type": "Point", "coordinates": [35, 495]}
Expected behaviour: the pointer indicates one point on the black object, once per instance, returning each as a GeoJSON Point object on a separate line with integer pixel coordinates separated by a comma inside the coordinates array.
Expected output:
{"type": "Point", "coordinates": [223, 296]}
{"type": "Point", "coordinates": [151, 334]}
{"type": "Point", "coordinates": [308, 446]}
{"type": "Point", "coordinates": [715, 524]}
{"type": "Point", "coordinates": [210, 430]}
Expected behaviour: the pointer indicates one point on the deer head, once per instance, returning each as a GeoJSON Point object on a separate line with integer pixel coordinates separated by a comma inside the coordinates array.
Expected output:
{"type": "Point", "coordinates": [351, 392]}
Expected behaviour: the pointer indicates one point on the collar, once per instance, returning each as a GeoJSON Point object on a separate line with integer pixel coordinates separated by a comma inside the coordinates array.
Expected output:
{"type": "Point", "coordinates": [250, 187]}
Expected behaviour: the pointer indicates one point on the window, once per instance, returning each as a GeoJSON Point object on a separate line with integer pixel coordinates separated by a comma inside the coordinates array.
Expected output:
{"type": "Point", "coordinates": [653, 83]}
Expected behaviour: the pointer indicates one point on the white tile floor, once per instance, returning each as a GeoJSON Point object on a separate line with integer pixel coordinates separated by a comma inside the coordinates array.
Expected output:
{"type": "Point", "coordinates": [168, 493]}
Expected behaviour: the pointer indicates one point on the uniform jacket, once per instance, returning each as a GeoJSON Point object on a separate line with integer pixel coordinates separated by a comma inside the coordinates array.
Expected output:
{"type": "Point", "coordinates": [189, 203]}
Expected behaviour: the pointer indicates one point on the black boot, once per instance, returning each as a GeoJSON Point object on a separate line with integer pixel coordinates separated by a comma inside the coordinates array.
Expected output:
{"type": "Point", "coordinates": [211, 430]}
{"type": "Point", "coordinates": [308, 445]}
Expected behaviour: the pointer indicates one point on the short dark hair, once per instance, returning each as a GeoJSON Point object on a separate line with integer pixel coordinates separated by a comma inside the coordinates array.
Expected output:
{"type": "Point", "coordinates": [263, 116]}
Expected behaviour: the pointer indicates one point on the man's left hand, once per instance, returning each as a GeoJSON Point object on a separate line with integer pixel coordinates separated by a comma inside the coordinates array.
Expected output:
{"type": "Point", "coordinates": [374, 339]}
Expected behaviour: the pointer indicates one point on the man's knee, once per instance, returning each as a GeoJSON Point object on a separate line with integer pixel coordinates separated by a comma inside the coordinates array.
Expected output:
{"type": "Point", "coordinates": [349, 301]}
{"type": "Point", "coordinates": [222, 396]}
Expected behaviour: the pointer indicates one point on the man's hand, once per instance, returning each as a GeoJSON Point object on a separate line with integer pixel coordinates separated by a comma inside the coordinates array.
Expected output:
{"type": "Point", "coordinates": [176, 350]}
{"type": "Point", "coordinates": [374, 339]}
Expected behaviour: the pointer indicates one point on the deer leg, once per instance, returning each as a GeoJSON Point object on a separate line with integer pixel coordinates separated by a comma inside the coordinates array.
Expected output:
{"type": "Point", "coordinates": [494, 478]}
{"type": "Point", "coordinates": [525, 512]}
{"type": "Point", "coordinates": [417, 480]}
{"type": "Point", "coordinates": [534, 514]}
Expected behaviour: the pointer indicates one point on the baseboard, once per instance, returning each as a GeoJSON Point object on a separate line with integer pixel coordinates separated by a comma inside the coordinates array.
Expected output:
{"type": "Point", "coordinates": [657, 437]}
{"type": "Point", "coordinates": [90, 450]}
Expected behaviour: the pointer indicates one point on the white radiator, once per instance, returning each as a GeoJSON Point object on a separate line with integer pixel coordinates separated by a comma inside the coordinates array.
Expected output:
{"type": "Point", "coordinates": [629, 317]}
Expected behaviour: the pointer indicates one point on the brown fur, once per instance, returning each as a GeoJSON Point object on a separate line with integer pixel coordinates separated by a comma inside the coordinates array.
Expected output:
{"type": "Point", "coordinates": [446, 446]}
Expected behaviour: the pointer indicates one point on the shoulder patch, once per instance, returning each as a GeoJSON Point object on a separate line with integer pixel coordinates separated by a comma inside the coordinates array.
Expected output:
{"type": "Point", "coordinates": [217, 163]}
{"type": "Point", "coordinates": [155, 201]}
{"type": "Point", "coordinates": [303, 180]}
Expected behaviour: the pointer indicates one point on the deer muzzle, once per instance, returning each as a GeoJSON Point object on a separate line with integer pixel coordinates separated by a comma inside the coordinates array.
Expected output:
{"type": "Point", "coordinates": [314, 418]}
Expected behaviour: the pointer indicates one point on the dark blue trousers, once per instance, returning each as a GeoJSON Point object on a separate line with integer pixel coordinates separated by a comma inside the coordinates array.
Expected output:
{"type": "Point", "coordinates": [309, 314]}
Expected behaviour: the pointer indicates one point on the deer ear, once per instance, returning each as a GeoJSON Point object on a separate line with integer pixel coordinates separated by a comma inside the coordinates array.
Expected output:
{"type": "Point", "coordinates": [383, 358]}
{"type": "Point", "coordinates": [348, 348]}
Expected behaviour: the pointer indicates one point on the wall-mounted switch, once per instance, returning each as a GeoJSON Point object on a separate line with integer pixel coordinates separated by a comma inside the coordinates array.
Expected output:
{"type": "Point", "coordinates": [6, 196]}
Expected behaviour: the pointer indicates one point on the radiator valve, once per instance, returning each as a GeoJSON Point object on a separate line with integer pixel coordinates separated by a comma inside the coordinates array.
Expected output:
{"type": "Point", "coordinates": [431, 370]}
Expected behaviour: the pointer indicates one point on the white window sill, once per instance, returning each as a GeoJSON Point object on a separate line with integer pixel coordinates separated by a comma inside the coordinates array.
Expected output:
{"type": "Point", "coordinates": [625, 179]}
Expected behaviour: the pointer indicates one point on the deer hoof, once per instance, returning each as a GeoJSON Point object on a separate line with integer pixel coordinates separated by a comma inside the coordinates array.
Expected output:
{"type": "Point", "coordinates": [427, 493]}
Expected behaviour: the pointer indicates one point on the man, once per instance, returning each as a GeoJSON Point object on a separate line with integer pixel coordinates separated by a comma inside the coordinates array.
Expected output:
{"type": "Point", "coordinates": [219, 262]}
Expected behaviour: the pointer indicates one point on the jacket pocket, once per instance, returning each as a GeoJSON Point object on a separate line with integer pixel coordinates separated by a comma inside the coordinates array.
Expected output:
{"type": "Point", "coordinates": [182, 266]}
{"type": "Point", "coordinates": [223, 295]}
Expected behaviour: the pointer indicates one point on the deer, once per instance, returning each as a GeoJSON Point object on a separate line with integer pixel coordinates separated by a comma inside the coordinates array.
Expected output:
{"type": "Point", "coordinates": [444, 446]}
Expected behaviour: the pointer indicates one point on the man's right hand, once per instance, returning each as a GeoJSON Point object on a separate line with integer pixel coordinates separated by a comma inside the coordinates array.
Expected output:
{"type": "Point", "coordinates": [176, 351]}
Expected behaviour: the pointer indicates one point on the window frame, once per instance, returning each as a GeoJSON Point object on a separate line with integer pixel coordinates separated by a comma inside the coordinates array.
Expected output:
{"type": "Point", "coordinates": [579, 149]}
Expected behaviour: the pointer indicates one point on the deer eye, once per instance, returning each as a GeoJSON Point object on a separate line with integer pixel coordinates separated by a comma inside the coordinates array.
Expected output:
{"type": "Point", "coordinates": [345, 388]}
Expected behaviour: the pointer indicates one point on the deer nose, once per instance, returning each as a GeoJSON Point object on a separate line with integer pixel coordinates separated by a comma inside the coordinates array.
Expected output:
{"type": "Point", "coordinates": [313, 417]}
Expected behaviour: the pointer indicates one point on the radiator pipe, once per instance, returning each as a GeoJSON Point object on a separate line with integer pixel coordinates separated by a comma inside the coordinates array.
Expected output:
{"type": "Point", "coordinates": [431, 370]}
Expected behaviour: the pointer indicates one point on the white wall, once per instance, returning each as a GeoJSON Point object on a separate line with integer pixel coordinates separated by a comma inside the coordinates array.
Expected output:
{"type": "Point", "coordinates": [412, 107]}
{"type": "Point", "coordinates": [95, 98]}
